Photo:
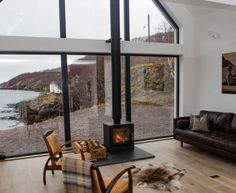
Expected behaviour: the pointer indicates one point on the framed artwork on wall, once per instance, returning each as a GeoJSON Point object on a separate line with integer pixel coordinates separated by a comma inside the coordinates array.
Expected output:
{"type": "Point", "coordinates": [229, 73]}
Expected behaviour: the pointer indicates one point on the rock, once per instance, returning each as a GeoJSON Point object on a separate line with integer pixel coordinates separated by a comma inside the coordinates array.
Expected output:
{"type": "Point", "coordinates": [9, 118]}
{"type": "Point", "coordinates": [12, 106]}
{"type": "Point", "coordinates": [40, 109]}
{"type": "Point", "coordinates": [7, 111]}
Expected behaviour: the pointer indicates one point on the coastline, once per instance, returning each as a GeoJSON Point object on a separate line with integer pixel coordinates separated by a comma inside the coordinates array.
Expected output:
{"type": "Point", "coordinates": [9, 112]}
{"type": "Point", "coordinates": [87, 123]}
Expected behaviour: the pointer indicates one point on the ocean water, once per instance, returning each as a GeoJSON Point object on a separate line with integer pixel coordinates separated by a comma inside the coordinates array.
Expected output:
{"type": "Point", "coordinates": [8, 113]}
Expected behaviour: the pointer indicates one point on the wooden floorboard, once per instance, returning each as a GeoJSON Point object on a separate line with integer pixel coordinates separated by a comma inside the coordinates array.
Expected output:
{"type": "Point", "coordinates": [25, 175]}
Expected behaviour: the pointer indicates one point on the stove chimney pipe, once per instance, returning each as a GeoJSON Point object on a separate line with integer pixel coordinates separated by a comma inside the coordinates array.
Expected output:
{"type": "Point", "coordinates": [115, 59]}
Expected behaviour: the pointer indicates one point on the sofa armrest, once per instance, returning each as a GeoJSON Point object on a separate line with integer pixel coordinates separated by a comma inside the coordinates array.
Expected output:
{"type": "Point", "coordinates": [176, 120]}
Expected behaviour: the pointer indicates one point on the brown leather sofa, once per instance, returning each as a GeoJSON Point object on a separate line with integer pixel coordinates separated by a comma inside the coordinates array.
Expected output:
{"type": "Point", "coordinates": [221, 139]}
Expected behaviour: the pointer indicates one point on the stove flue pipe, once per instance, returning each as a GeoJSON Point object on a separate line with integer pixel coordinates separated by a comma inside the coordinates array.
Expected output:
{"type": "Point", "coordinates": [115, 59]}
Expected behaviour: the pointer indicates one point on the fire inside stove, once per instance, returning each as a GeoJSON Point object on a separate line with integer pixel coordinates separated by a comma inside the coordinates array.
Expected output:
{"type": "Point", "coordinates": [118, 137]}
{"type": "Point", "coordinates": [121, 135]}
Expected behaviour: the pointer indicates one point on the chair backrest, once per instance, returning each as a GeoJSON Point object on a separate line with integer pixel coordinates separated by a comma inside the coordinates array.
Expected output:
{"type": "Point", "coordinates": [53, 144]}
{"type": "Point", "coordinates": [81, 176]}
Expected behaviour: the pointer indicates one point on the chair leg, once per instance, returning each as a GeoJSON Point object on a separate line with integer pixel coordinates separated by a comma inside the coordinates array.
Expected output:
{"type": "Point", "coordinates": [44, 171]}
{"type": "Point", "coordinates": [182, 143]}
{"type": "Point", "coordinates": [44, 176]}
{"type": "Point", "coordinates": [53, 171]}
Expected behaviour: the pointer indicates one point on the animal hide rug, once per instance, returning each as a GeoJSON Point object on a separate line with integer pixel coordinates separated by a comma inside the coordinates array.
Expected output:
{"type": "Point", "coordinates": [162, 177]}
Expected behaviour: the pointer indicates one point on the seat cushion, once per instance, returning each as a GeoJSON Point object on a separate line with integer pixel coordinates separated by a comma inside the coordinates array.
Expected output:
{"type": "Point", "coordinates": [217, 139]}
{"type": "Point", "coordinates": [120, 187]}
{"type": "Point", "coordinates": [218, 121]}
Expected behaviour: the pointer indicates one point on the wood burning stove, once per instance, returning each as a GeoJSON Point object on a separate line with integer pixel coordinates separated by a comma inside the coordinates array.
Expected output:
{"type": "Point", "coordinates": [118, 137]}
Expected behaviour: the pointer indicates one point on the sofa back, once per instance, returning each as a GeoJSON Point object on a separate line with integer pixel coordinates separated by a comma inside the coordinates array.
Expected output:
{"type": "Point", "coordinates": [232, 128]}
{"type": "Point", "coordinates": [218, 121]}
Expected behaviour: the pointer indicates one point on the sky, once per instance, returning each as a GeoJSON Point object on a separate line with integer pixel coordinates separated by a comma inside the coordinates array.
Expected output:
{"type": "Point", "coordinates": [13, 65]}
{"type": "Point", "coordinates": [86, 19]}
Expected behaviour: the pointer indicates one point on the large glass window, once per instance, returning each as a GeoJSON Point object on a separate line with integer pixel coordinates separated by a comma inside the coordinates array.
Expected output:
{"type": "Point", "coordinates": [31, 102]}
{"type": "Point", "coordinates": [31, 85]}
{"type": "Point", "coordinates": [152, 90]}
{"type": "Point", "coordinates": [35, 18]}
{"type": "Point", "coordinates": [90, 19]}
{"type": "Point", "coordinates": [148, 24]}
{"type": "Point", "coordinates": [89, 95]}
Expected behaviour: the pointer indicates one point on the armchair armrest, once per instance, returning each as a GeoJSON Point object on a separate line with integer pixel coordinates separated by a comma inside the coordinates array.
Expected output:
{"type": "Point", "coordinates": [176, 120]}
{"type": "Point", "coordinates": [118, 176]}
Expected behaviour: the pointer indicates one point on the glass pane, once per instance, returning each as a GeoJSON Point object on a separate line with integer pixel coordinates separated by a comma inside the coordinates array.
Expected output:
{"type": "Point", "coordinates": [90, 19]}
{"type": "Point", "coordinates": [31, 102]}
{"type": "Point", "coordinates": [148, 24]}
{"type": "Point", "coordinates": [35, 18]}
{"type": "Point", "coordinates": [152, 90]}
{"type": "Point", "coordinates": [90, 95]}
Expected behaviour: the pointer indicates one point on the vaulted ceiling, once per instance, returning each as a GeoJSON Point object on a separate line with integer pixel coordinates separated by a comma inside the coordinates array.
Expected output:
{"type": "Point", "coordinates": [199, 8]}
{"type": "Point", "coordinates": [226, 2]}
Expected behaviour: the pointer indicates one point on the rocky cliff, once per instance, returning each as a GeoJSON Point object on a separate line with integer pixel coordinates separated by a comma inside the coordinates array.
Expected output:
{"type": "Point", "coordinates": [36, 81]}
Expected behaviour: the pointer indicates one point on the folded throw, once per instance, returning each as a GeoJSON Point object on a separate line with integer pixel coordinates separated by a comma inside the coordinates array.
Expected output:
{"type": "Point", "coordinates": [77, 175]}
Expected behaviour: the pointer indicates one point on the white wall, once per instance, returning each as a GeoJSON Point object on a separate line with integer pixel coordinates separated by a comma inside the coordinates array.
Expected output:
{"type": "Point", "coordinates": [185, 20]}
{"type": "Point", "coordinates": [209, 59]}
{"type": "Point", "coordinates": [201, 71]}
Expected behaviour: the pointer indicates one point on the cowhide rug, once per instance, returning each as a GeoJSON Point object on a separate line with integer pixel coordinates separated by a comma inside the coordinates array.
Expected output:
{"type": "Point", "coordinates": [161, 177]}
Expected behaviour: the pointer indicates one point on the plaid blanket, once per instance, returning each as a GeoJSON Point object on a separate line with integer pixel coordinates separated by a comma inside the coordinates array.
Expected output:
{"type": "Point", "coordinates": [77, 175]}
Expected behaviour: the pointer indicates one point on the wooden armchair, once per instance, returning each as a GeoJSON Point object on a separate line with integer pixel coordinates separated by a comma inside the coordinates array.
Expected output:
{"type": "Point", "coordinates": [85, 176]}
{"type": "Point", "coordinates": [55, 152]}
{"type": "Point", "coordinates": [116, 185]}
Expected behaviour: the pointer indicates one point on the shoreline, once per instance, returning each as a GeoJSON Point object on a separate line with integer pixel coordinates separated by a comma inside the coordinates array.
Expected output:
{"type": "Point", "coordinates": [9, 112]}
{"type": "Point", "coordinates": [11, 89]}
{"type": "Point", "coordinates": [148, 122]}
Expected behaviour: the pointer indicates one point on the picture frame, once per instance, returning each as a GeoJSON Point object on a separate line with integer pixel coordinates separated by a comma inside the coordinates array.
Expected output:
{"type": "Point", "coordinates": [229, 73]}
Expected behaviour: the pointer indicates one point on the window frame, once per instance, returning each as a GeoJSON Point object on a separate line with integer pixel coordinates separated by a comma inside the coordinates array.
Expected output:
{"type": "Point", "coordinates": [66, 46]}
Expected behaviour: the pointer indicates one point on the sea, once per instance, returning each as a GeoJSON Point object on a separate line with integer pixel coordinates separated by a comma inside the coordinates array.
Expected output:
{"type": "Point", "coordinates": [8, 113]}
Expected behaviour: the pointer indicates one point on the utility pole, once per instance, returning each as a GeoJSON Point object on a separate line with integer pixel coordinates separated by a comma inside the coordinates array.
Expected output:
{"type": "Point", "coordinates": [149, 33]}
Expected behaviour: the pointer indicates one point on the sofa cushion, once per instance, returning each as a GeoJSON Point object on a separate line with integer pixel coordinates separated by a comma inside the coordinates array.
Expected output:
{"type": "Point", "coordinates": [200, 124]}
{"type": "Point", "coordinates": [218, 121]}
{"type": "Point", "coordinates": [183, 124]}
{"type": "Point", "coordinates": [232, 128]}
{"type": "Point", "coordinates": [216, 139]}
{"type": "Point", "coordinates": [191, 120]}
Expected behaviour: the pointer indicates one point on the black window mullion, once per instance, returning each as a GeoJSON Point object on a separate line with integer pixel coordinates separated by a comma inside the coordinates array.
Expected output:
{"type": "Point", "coordinates": [177, 85]}
{"type": "Point", "coordinates": [67, 131]}
{"type": "Point", "coordinates": [127, 63]}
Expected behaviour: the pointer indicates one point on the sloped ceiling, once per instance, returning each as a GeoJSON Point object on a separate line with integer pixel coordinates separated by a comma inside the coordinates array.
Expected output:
{"type": "Point", "coordinates": [199, 8]}
{"type": "Point", "coordinates": [226, 2]}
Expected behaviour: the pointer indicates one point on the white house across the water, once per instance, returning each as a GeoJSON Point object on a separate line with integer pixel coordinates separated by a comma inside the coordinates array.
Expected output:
{"type": "Point", "coordinates": [54, 88]}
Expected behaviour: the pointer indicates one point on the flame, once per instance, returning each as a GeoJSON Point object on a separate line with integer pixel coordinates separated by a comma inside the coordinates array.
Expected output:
{"type": "Point", "coordinates": [119, 138]}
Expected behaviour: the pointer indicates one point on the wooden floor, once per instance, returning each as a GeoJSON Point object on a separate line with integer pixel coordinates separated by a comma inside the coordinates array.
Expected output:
{"type": "Point", "coordinates": [25, 175]}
